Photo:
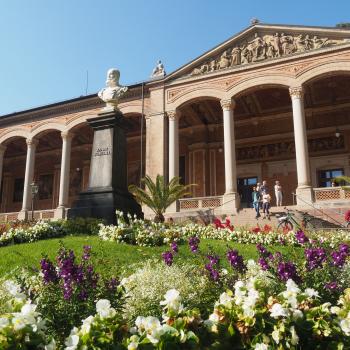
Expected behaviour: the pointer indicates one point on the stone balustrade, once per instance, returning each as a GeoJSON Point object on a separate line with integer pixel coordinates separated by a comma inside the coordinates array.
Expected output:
{"type": "Point", "coordinates": [197, 203]}
{"type": "Point", "coordinates": [331, 194]}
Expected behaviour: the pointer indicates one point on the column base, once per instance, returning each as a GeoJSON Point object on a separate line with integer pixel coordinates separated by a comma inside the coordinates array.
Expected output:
{"type": "Point", "coordinates": [148, 213]}
{"type": "Point", "coordinates": [102, 203]}
{"type": "Point", "coordinates": [230, 206]}
{"type": "Point", "coordinates": [305, 196]}
{"type": "Point", "coordinates": [23, 215]}
{"type": "Point", "coordinates": [60, 213]}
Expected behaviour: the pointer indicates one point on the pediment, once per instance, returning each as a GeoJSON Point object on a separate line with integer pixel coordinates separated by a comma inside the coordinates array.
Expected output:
{"type": "Point", "coordinates": [260, 43]}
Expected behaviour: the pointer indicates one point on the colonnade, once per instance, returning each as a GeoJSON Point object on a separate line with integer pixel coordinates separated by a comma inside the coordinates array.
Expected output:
{"type": "Point", "coordinates": [304, 191]}
{"type": "Point", "coordinates": [228, 107]}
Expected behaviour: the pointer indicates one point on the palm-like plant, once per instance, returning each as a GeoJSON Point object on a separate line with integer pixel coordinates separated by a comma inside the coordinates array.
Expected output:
{"type": "Point", "coordinates": [159, 195]}
{"type": "Point", "coordinates": [343, 180]}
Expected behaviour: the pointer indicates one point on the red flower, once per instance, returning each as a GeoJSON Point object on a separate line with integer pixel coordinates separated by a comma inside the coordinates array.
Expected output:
{"type": "Point", "coordinates": [256, 229]}
{"type": "Point", "coordinates": [218, 224]}
{"type": "Point", "coordinates": [347, 216]}
{"type": "Point", "coordinates": [228, 224]}
{"type": "Point", "coordinates": [267, 228]}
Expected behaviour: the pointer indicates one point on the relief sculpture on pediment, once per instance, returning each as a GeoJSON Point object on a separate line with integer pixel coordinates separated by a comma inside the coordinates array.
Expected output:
{"type": "Point", "coordinates": [264, 47]}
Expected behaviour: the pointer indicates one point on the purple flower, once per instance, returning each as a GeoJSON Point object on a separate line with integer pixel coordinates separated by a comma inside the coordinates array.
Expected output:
{"type": "Point", "coordinates": [338, 258]}
{"type": "Point", "coordinates": [287, 270]}
{"type": "Point", "coordinates": [264, 264]}
{"type": "Point", "coordinates": [168, 258]}
{"type": "Point", "coordinates": [214, 259]}
{"type": "Point", "coordinates": [301, 238]}
{"type": "Point", "coordinates": [48, 270]}
{"type": "Point", "coordinates": [193, 243]}
{"type": "Point", "coordinates": [331, 286]}
{"type": "Point", "coordinates": [315, 257]}
{"type": "Point", "coordinates": [174, 247]}
{"type": "Point", "coordinates": [214, 274]}
{"type": "Point", "coordinates": [236, 261]}
{"type": "Point", "coordinates": [261, 249]}
{"type": "Point", "coordinates": [344, 248]}
{"type": "Point", "coordinates": [87, 251]}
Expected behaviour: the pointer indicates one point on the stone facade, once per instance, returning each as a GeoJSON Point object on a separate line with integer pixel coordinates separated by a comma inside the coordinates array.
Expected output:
{"type": "Point", "coordinates": [270, 103]}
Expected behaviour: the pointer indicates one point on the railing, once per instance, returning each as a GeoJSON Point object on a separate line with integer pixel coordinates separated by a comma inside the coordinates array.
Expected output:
{"type": "Point", "coordinates": [190, 204]}
{"type": "Point", "coordinates": [331, 194]}
{"type": "Point", "coordinates": [319, 210]}
{"type": "Point", "coordinates": [38, 215]}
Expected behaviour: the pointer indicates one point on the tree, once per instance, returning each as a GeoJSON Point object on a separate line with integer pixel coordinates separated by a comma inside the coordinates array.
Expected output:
{"type": "Point", "coordinates": [159, 195]}
{"type": "Point", "coordinates": [343, 25]}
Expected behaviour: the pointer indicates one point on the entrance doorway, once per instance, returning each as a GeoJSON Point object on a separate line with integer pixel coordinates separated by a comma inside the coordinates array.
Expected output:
{"type": "Point", "coordinates": [245, 187]}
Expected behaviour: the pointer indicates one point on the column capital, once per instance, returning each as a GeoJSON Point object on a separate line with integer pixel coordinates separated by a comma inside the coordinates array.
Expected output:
{"type": "Point", "coordinates": [32, 142]}
{"type": "Point", "coordinates": [228, 104]}
{"type": "Point", "coordinates": [296, 92]}
{"type": "Point", "coordinates": [173, 115]}
{"type": "Point", "coordinates": [67, 135]}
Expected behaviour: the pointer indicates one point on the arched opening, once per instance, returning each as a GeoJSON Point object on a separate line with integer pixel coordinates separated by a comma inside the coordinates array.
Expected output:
{"type": "Point", "coordinates": [265, 141]}
{"type": "Point", "coordinates": [201, 156]}
{"type": "Point", "coordinates": [13, 175]}
{"type": "Point", "coordinates": [47, 169]}
{"type": "Point", "coordinates": [327, 110]}
{"type": "Point", "coordinates": [82, 138]}
{"type": "Point", "coordinates": [136, 147]}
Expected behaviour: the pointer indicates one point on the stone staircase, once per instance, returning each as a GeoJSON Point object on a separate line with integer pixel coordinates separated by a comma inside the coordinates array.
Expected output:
{"type": "Point", "coordinates": [246, 217]}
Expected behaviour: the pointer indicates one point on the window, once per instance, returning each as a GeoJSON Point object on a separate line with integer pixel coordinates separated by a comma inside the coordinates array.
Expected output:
{"type": "Point", "coordinates": [325, 177]}
{"type": "Point", "coordinates": [18, 190]}
{"type": "Point", "coordinates": [45, 186]}
{"type": "Point", "coordinates": [182, 169]}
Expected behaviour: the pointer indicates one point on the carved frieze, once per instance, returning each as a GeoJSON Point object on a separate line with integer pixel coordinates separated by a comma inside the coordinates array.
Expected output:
{"type": "Point", "coordinates": [287, 148]}
{"type": "Point", "coordinates": [260, 48]}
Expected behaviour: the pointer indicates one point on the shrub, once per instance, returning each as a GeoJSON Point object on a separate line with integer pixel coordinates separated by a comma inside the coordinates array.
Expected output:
{"type": "Point", "coordinates": [150, 282]}
{"type": "Point", "coordinates": [81, 226]}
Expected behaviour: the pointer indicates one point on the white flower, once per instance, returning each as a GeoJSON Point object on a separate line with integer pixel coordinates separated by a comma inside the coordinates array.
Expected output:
{"type": "Point", "coordinates": [133, 346]}
{"type": "Point", "coordinates": [104, 309]}
{"type": "Point", "coordinates": [14, 290]}
{"type": "Point", "coordinates": [51, 346]}
{"type": "Point", "coordinates": [335, 310]}
{"type": "Point", "coordinates": [19, 322]}
{"type": "Point", "coordinates": [295, 338]}
{"type": "Point", "coordinates": [276, 336]}
{"type": "Point", "coordinates": [140, 322]}
{"type": "Point", "coordinates": [311, 293]}
{"type": "Point", "coordinates": [3, 322]}
{"type": "Point", "coordinates": [297, 314]}
{"type": "Point", "coordinates": [172, 300]}
{"type": "Point", "coordinates": [153, 329]}
{"type": "Point", "coordinates": [72, 342]}
{"type": "Point", "coordinates": [86, 326]}
{"type": "Point", "coordinates": [261, 346]}
{"type": "Point", "coordinates": [292, 287]}
{"type": "Point", "coordinates": [278, 310]}
{"type": "Point", "coordinates": [345, 325]}
{"type": "Point", "coordinates": [225, 300]}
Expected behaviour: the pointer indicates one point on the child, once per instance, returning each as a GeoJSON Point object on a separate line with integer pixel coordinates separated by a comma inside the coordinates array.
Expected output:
{"type": "Point", "coordinates": [266, 205]}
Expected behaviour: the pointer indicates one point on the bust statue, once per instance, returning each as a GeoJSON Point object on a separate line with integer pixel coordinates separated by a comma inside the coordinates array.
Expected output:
{"type": "Point", "coordinates": [113, 92]}
{"type": "Point", "coordinates": [158, 70]}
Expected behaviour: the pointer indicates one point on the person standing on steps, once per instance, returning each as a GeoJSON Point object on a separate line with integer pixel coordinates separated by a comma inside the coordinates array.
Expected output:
{"type": "Point", "coordinates": [266, 205]}
{"type": "Point", "coordinates": [256, 202]}
{"type": "Point", "coordinates": [278, 194]}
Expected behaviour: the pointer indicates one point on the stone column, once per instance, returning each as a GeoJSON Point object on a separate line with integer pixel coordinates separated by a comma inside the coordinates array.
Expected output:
{"type": "Point", "coordinates": [173, 144]}
{"type": "Point", "coordinates": [28, 178]}
{"type": "Point", "coordinates": [2, 153]}
{"type": "Point", "coordinates": [304, 189]}
{"type": "Point", "coordinates": [60, 212]}
{"type": "Point", "coordinates": [231, 198]}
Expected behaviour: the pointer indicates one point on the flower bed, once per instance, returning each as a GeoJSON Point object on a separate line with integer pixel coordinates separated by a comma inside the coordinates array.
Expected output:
{"type": "Point", "coordinates": [31, 231]}
{"type": "Point", "coordinates": [148, 233]}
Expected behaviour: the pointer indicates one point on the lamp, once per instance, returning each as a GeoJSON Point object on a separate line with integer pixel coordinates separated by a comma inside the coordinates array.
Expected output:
{"type": "Point", "coordinates": [337, 132]}
{"type": "Point", "coordinates": [34, 190]}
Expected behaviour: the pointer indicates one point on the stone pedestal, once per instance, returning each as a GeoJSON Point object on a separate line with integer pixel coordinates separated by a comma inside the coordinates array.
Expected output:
{"type": "Point", "coordinates": [231, 203]}
{"type": "Point", "coordinates": [305, 197]}
{"type": "Point", "coordinates": [107, 190]}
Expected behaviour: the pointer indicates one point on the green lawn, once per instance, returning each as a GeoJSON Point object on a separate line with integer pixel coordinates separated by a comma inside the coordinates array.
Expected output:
{"type": "Point", "coordinates": [110, 257]}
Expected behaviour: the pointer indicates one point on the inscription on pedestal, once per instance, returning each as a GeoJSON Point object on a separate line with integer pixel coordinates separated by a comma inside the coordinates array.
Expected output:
{"type": "Point", "coordinates": [101, 160]}
{"type": "Point", "coordinates": [104, 151]}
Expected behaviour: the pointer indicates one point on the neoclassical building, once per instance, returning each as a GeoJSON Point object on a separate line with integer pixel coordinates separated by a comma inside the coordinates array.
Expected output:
{"type": "Point", "coordinates": [270, 103]}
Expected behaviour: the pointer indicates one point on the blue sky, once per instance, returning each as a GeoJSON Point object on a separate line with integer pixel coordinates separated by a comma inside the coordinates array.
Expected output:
{"type": "Point", "coordinates": [47, 46]}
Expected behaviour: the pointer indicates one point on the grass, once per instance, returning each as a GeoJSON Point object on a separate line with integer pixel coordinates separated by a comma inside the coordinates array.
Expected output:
{"type": "Point", "coordinates": [111, 258]}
